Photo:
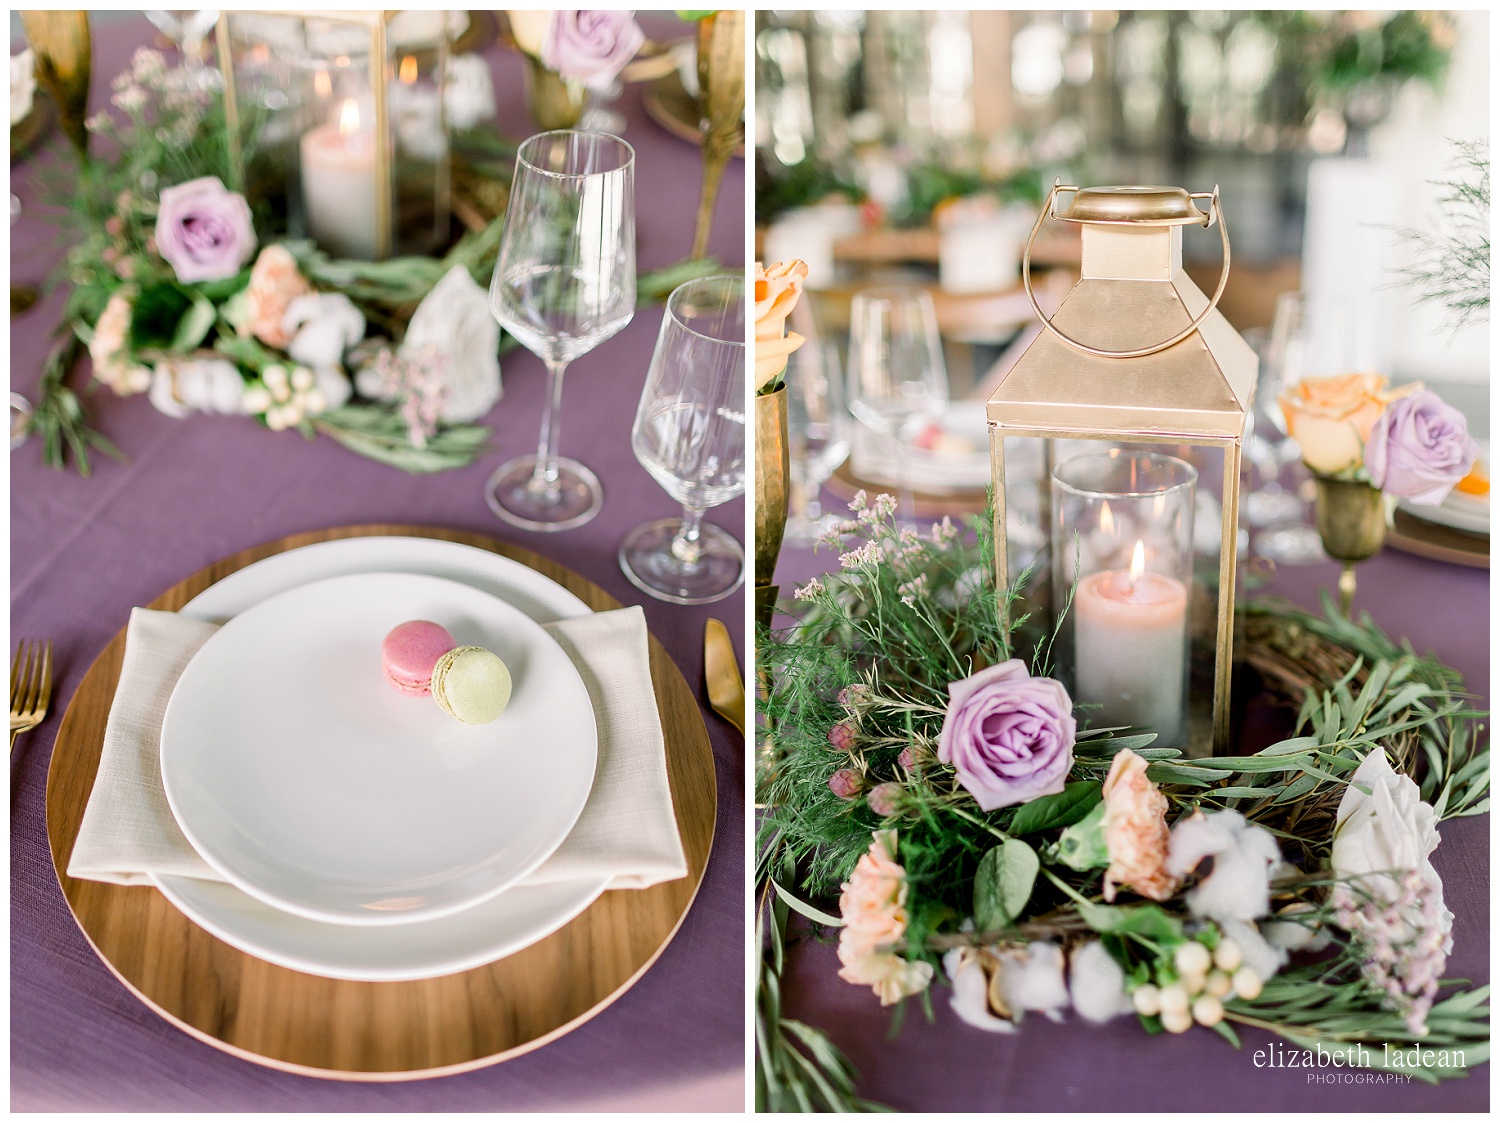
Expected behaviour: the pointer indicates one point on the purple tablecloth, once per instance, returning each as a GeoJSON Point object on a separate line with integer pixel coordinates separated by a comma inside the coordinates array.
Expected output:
{"type": "Point", "coordinates": [84, 551]}
{"type": "Point", "coordinates": [946, 1065]}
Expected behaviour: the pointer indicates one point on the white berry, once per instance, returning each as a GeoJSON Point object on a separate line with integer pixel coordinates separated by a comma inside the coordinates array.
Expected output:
{"type": "Point", "coordinates": [1208, 1011]}
{"type": "Point", "coordinates": [1147, 1000]}
{"type": "Point", "coordinates": [1219, 984]}
{"type": "Point", "coordinates": [1227, 955]}
{"type": "Point", "coordinates": [1247, 983]}
{"type": "Point", "coordinates": [1173, 999]}
{"type": "Point", "coordinates": [1194, 983]}
{"type": "Point", "coordinates": [1176, 1021]}
{"type": "Point", "coordinates": [1193, 959]}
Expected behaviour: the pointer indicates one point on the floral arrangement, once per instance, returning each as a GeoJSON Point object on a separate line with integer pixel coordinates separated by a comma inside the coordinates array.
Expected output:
{"type": "Point", "coordinates": [981, 835]}
{"type": "Point", "coordinates": [1407, 442]}
{"type": "Point", "coordinates": [183, 292]}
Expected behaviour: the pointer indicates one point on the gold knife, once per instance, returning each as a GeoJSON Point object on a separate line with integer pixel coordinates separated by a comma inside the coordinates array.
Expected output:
{"type": "Point", "coordinates": [721, 670]}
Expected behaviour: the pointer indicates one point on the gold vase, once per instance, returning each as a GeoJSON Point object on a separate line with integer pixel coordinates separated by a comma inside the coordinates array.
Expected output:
{"type": "Point", "coordinates": [552, 101]}
{"type": "Point", "coordinates": [772, 470]}
{"type": "Point", "coordinates": [1352, 519]}
{"type": "Point", "coordinates": [64, 57]}
{"type": "Point", "coordinates": [721, 106]}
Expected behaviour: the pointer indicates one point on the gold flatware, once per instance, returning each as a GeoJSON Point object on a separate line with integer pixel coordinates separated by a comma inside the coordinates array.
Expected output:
{"type": "Point", "coordinates": [721, 670]}
{"type": "Point", "coordinates": [30, 686]}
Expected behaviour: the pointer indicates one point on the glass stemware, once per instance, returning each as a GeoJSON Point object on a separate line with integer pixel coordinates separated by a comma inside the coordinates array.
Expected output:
{"type": "Point", "coordinates": [897, 379]}
{"type": "Point", "coordinates": [818, 424]}
{"type": "Point", "coordinates": [187, 28]}
{"type": "Point", "coordinates": [689, 433]}
{"type": "Point", "coordinates": [1287, 535]}
{"type": "Point", "coordinates": [564, 282]}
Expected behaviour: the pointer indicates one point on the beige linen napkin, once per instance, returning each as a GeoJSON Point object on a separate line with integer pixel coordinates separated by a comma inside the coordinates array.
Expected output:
{"type": "Point", "coordinates": [627, 831]}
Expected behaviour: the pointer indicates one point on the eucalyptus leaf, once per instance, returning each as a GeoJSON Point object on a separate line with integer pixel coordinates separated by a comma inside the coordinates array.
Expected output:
{"type": "Point", "coordinates": [1062, 809]}
{"type": "Point", "coordinates": [1003, 883]}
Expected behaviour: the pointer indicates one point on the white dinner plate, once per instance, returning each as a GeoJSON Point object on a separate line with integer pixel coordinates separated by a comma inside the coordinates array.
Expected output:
{"type": "Point", "coordinates": [504, 924]}
{"type": "Point", "coordinates": [305, 780]}
{"type": "Point", "coordinates": [1459, 510]}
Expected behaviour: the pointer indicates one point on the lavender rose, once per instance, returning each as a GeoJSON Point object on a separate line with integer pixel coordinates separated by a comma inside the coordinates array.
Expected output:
{"type": "Point", "coordinates": [1419, 448]}
{"type": "Point", "coordinates": [591, 45]}
{"type": "Point", "coordinates": [203, 230]}
{"type": "Point", "coordinates": [1008, 735]}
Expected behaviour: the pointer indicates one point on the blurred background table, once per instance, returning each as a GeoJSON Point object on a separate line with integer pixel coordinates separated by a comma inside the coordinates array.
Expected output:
{"type": "Point", "coordinates": [84, 551]}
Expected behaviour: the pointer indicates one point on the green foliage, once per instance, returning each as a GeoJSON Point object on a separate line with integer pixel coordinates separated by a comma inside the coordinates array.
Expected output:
{"type": "Point", "coordinates": [376, 432]}
{"type": "Point", "coordinates": [1003, 883]}
{"type": "Point", "coordinates": [1450, 265]}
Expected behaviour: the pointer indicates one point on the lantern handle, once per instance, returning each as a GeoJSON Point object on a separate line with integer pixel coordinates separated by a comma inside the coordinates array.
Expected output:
{"type": "Point", "coordinates": [1215, 214]}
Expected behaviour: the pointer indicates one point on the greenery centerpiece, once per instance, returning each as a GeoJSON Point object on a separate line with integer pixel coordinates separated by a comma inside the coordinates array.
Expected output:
{"type": "Point", "coordinates": [979, 832]}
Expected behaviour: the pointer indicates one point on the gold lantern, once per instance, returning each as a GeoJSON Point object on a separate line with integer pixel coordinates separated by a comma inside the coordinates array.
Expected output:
{"type": "Point", "coordinates": [336, 119]}
{"type": "Point", "coordinates": [1138, 358]}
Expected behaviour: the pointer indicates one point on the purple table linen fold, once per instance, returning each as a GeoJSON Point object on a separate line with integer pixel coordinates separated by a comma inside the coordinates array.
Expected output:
{"type": "Point", "coordinates": [83, 552]}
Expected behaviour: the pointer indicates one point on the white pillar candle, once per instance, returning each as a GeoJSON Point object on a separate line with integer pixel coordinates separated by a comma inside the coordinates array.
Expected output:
{"type": "Point", "coordinates": [338, 185]}
{"type": "Point", "coordinates": [1131, 644]}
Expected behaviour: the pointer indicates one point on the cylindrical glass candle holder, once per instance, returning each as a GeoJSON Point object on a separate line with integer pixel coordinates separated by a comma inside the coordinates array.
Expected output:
{"type": "Point", "coordinates": [1122, 556]}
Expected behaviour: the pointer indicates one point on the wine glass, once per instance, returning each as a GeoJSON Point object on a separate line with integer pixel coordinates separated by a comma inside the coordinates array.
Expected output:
{"type": "Point", "coordinates": [1287, 537]}
{"type": "Point", "coordinates": [818, 424]}
{"type": "Point", "coordinates": [897, 380]}
{"type": "Point", "coordinates": [187, 27]}
{"type": "Point", "coordinates": [564, 283]}
{"type": "Point", "coordinates": [689, 433]}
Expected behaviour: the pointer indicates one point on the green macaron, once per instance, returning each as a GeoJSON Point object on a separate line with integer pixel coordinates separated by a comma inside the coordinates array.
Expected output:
{"type": "Point", "coordinates": [471, 684]}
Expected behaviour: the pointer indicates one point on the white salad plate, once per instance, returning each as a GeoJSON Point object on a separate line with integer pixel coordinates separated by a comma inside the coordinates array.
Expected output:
{"type": "Point", "coordinates": [309, 783]}
{"type": "Point", "coordinates": [500, 926]}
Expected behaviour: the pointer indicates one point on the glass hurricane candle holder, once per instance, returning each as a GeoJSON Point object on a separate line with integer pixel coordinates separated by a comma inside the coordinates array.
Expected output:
{"type": "Point", "coordinates": [336, 119]}
{"type": "Point", "coordinates": [1122, 550]}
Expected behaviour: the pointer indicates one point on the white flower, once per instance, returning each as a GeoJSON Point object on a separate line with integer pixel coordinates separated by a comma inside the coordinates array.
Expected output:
{"type": "Point", "coordinates": [1098, 984]}
{"type": "Point", "coordinates": [323, 326]}
{"type": "Point", "coordinates": [1239, 888]}
{"type": "Point", "coordinates": [454, 319]}
{"type": "Point", "coordinates": [182, 386]}
{"type": "Point", "coordinates": [22, 85]}
{"type": "Point", "coordinates": [469, 96]}
{"type": "Point", "coordinates": [1387, 830]}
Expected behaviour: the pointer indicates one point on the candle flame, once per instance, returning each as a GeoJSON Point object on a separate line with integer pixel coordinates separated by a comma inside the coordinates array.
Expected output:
{"type": "Point", "coordinates": [1106, 519]}
{"type": "Point", "coordinates": [408, 73]}
{"type": "Point", "coordinates": [322, 84]}
{"type": "Point", "coordinates": [349, 118]}
{"type": "Point", "coordinates": [1137, 562]}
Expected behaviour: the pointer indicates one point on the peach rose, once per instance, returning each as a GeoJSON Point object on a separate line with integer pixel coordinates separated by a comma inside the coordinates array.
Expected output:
{"type": "Point", "coordinates": [777, 290]}
{"type": "Point", "coordinates": [108, 352]}
{"type": "Point", "coordinates": [274, 283]}
{"type": "Point", "coordinates": [1135, 830]}
{"type": "Point", "coordinates": [873, 906]}
{"type": "Point", "coordinates": [1331, 417]}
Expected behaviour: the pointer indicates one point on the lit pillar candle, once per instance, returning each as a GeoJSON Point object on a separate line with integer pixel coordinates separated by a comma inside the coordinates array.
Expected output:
{"type": "Point", "coordinates": [338, 185]}
{"type": "Point", "coordinates": [1131, 644]}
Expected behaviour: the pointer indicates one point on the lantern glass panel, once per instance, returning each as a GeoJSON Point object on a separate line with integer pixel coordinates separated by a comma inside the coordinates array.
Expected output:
{"type": "Point", "coordinates": [341, 128]}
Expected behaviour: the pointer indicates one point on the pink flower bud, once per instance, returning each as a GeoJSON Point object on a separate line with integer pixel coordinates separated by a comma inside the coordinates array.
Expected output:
{"type": "Point", "coordinates": [851, 697]}
{"type": "Point", "coordinates": [841, 736]}
{"type": "Point", "coordinates": [907, 759]}
{"type": "Point", "coordinates": [883, 798]}
{"type": "Point", "coordinates": [114, 226]}
{"type": "Point", "coordinates": [845, 783]}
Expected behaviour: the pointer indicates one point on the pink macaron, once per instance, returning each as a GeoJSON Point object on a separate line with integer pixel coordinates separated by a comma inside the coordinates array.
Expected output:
{"type": "Point", "coordinates": [410, 651]}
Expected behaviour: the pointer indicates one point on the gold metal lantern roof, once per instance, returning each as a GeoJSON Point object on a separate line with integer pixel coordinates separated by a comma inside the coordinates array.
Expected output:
{"type": "Point", "coordinates": [1136, 353]}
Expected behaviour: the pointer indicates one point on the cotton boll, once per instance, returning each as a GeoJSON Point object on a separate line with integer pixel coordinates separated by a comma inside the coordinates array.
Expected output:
{"type": "Point", "coordinates": [1033, 979]}
{"type": "Point", "coordinates": [1239, 887]}
{"type": "Point", "coordinates": [1098, 984]}
{"type": "Point", "coordinates": [970, 1000]}
{"type": "Point", "coordinates": [323, 326]}
{"type": "Point", "coordinates": [1257, 954]}
{"type": "Point", "coordinates": [333, 384]}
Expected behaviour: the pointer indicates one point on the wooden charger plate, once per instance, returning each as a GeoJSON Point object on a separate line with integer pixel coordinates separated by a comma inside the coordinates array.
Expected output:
{"type": "Point", "coordinates": [377, 1031]}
